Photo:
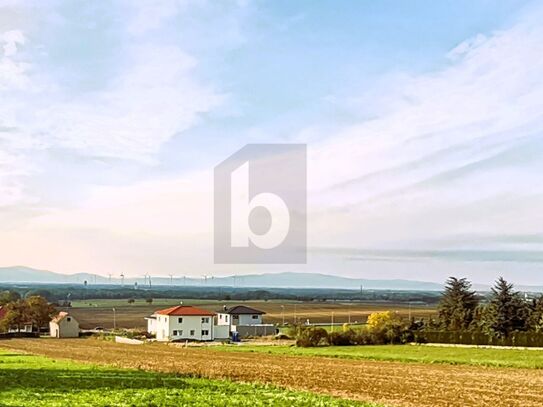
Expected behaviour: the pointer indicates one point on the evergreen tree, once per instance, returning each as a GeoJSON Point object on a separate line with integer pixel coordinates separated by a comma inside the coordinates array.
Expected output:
{"type": "Point", "coordinates": [535, 320]}
{"type": "Point", "coordinates": [507, 311]}
{"type": "Point", "coordinates": [458, 303]}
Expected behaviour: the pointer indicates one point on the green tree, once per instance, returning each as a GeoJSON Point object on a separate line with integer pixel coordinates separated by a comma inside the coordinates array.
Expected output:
{"type": "Point", "coordinates": [507, 310]}
{"type": "Point", "coordinates": [458, 303]}
{"type": "Point", "coordinates": [311, 337]}
{"type": "Point", "coordinates": [131, 301]}
{"type": "Point", "coordinates": [535, 319]}
{"type": "Point", "coordinates": [9, 296]}
{"type": "Point", "coordinates": [17, 315]}
{"type": "Point", "coordinates": [40, 311]}
{"type": "Point", "coordinates": [149, 300]}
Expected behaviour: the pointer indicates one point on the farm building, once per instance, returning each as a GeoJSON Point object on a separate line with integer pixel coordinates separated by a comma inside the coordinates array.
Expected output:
{"type": "Point", "coordinates": [64, 326]}
{"type": "Point", "coordinates": [182, 322]}
{"type": "Point", "coordinates": [241, 321]}
{"type": "Point", "coordinates": [27, 327]}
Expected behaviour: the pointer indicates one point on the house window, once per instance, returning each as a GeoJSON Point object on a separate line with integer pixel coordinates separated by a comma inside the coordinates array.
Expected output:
{"type": "Point", "coordinates": [174, 333]}
{"type": "Point", "coordinates": [180, 320]}
{"type": "Point", "coordinates": [205, 320]}
{"type": "Point", "coordinates": [68, 319]}
{"type": "Point", "coordinates": [220, 316]}
{"type": "Point", "coordinates": [226, 318]}
{"type": "Point", "coordinates": [205, 332]}
{"type": "Point", "coordinates": [255, 316]}
{"type": "Point", "coordinates": [192, 332]}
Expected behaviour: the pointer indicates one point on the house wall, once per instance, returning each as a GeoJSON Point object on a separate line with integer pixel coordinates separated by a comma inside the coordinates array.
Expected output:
{"type": "Point", "coordinates": [53, 329]}
{"type": "Point", "coordinates": [221, 332]}
{"type": "Point", "coordinates": [69, 327]}
{"type": "Point", "coordinates": [167, 324]}
{"type": "Point", "coordinates": [151, 326]}
{"type": "Point", "coordinates": [254, 330]}
{"type": "Point", "coordinates": [223, 319]}
{"type": "Point", "coordinates": [65, 328]}
{"type": "Point", "coordinates": [247, 319]}
{"type": "Point", "coordinates": [243, 319]}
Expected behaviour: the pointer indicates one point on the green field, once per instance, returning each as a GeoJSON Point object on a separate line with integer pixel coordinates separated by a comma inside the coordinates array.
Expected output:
{"type": "Point", "coordinates": [27, 380]}
{"type": "Point", "coordinates": [520, 358]}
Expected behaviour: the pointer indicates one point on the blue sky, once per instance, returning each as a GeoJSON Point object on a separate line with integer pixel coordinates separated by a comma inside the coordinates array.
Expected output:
{"type": "Point", "coordinates": [422, 121]}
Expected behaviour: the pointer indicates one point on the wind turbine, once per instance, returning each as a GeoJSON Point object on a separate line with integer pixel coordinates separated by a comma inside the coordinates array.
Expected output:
{"type": "Point", "coordinates": [171, 279]}
{"type": "Point", "coordinates": [122, 279]}
{"type": "Point", "coordinates": [109, 276]}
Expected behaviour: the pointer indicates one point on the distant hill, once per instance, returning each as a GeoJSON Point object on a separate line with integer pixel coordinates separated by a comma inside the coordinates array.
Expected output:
{"type": "Point", "coordinates": [21, 274]}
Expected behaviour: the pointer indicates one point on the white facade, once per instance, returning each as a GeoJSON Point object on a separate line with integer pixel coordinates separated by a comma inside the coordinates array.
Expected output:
{"type": "Point", "coordinates": [179, 327]}
{"type": "Point", "coordinates": [27, 328]}
{"type": "Point", "coordinates": [243, 319]}
{"type": "Point", "coordinates": [151, 324]}
{"type": "Point", "coordinates": [64, 326]}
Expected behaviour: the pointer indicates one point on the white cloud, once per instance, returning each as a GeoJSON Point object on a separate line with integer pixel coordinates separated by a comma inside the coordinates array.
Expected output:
{"type": "Point", "coordinates": [154, 99]}
{"type": "Point", "coordinates": [152, 94]}
{"type": "Point", "coordinates": [456, 155]}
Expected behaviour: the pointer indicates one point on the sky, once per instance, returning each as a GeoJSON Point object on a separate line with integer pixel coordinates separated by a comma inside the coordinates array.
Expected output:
{"type": "Point", "coordinates": [423, 122]}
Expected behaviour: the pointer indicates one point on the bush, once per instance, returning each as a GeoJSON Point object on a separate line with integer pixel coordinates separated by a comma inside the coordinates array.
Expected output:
{"type": "Point", "coordinates": [342, 338]}
{"type": "Point", "coordinates": [312, 337]}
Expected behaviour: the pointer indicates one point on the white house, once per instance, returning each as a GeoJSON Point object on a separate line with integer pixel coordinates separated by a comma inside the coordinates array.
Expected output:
{"type": "Point", "coordinates": [239, 315]}
{"type": "Point", "coordinates": [182, 323]}
{"type": "Point", "coordinates": [64, 326]}
{"type": "Point", "coordinates": [243, 321]}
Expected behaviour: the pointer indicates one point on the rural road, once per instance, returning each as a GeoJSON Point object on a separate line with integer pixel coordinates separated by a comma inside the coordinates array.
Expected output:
{"type": "Point", "coordinates": [390, 383]}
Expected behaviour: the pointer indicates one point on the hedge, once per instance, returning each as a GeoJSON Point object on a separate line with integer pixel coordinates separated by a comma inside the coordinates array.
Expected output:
{"type": "Point", "coordinates": [525, 339]}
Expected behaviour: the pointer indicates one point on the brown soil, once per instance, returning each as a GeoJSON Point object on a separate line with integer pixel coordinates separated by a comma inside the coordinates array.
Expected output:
{"type": "Point", "coordinates": [390, 383]}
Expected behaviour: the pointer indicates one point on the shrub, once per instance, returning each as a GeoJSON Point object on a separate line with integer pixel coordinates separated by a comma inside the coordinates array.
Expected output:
{"type": "Point", "coordinates": [312, 337]}
{"type": "Point", "coordinates": [345, 338]}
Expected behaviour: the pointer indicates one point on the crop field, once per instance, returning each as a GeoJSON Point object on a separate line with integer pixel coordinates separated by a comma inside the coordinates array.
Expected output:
{"type": "Point", "coordinates": [27, 380]}
{"type": "Point", "coordinates": [492, 357]}
{"type": "Point", "coordinates": [93, 313]}
{"type": "Point", "coordinates": [388, 383]}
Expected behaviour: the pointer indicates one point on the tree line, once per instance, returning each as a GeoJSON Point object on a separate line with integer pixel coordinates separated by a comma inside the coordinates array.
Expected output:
{"type": "Point", "coordinates": [503, 317]}
{"type": "Point", "coordinates": [504, 312]}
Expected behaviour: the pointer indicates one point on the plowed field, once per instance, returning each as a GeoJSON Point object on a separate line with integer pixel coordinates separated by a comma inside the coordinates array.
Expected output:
{"type": "Point", "coordinates": [390, 383]}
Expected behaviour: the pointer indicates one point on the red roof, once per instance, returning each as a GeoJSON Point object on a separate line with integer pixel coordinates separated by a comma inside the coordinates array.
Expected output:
{"type": "Point", "coordinates": [3, 312]}
{"type": "Point", "coordinates": [185, 310]}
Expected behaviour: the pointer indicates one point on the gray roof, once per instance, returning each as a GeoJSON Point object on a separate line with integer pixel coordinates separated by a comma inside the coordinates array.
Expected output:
{"type": "Point", "coordinates": [241, 310]}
